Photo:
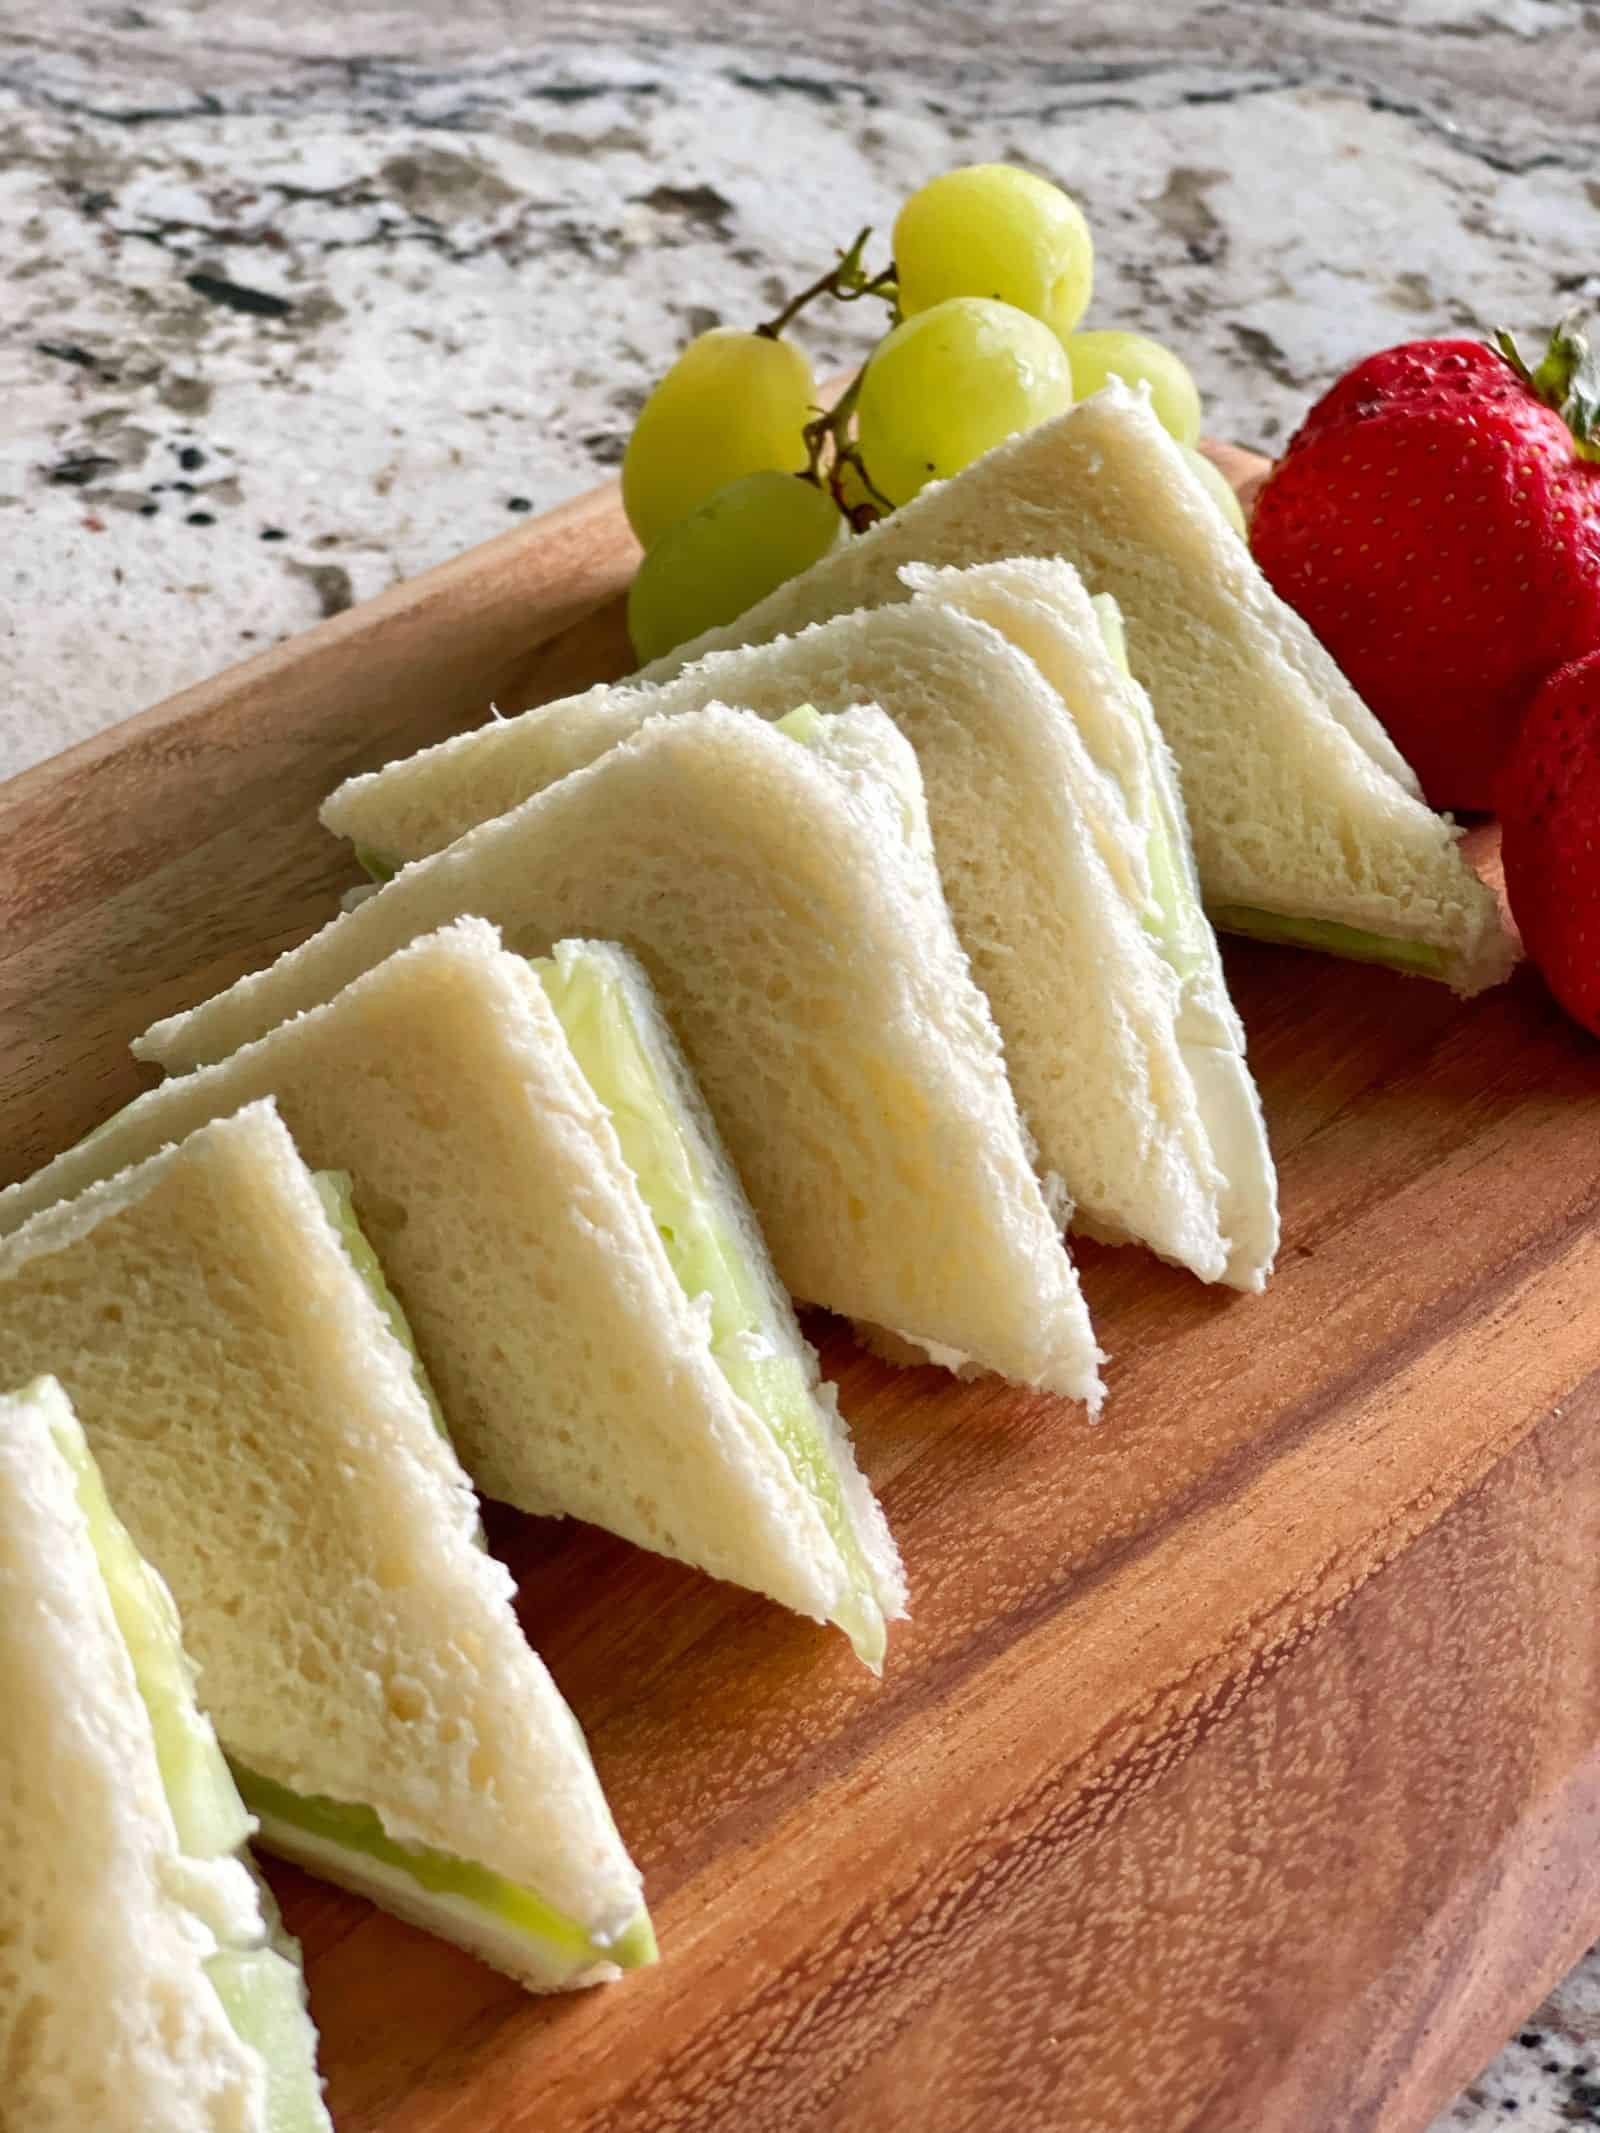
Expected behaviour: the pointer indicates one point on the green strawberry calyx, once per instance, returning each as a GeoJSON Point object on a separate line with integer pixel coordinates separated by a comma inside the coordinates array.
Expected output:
{"type": "Point", "coordinates": [1566, 378]}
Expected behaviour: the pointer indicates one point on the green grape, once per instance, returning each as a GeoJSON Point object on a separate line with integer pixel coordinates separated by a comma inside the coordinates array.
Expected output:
{"type": "Point", "coordinates": [947, 384]}
{"type": "Point", "coordinates": [727, 554]}
{"type": "Point", "coordinates": [1134, 358]}
{"type": "Point", "coordinates": [732, 404]}
{"type": "Point", "coordinates": [1216, 483]}
{"type": "Point", "coordinates": [989, 229]}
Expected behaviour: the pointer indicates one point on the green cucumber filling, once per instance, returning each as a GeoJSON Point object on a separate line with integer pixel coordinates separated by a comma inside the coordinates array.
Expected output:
{"type": "Point", "coordinates": [375, 864]}
{"type": "Point", "coordinates": [663, 1148]}
{"type": "Point", "coordinates": [260, 1990]}
{"type": "Point", "coordinates": [1176, 923]}
{"type": "Point", "coordinates": [1416, 958]}
{"type": "Point", "coordinates": [803, 724]}
{"type": "Point", "coordinates": [807, 725]}
{"type": "Point", "coordinates": [1114, 631]}
{"type": "Point", "coordinates": [206, 1810]}
{"type": "Point", "coordinates": [355, 1828]}
{"type": "Point", "coordinates": [263, 1997]}
{"type": "Point", "coordinates": [336, 1193]}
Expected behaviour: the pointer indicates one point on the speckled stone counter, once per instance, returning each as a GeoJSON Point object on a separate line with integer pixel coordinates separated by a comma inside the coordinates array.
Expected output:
{"type": "Point", "coordinates": [295, 303]}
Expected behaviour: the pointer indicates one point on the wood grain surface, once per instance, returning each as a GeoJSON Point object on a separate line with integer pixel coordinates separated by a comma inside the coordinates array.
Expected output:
{"type": "Point", "coordinates": [1240, 1768]}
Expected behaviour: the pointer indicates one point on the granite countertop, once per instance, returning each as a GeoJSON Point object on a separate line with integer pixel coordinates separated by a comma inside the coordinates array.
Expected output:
{"type": "Point", "coordinates": [288, 316]}
{"type": "Point", "coordinates": [299, 302]}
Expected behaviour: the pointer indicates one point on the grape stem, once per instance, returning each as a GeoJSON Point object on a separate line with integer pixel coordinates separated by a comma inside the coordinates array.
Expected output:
{"type": "Point", "coordinates": [830, 448]}
{"type": "Point", "coordinates": [846, 281]}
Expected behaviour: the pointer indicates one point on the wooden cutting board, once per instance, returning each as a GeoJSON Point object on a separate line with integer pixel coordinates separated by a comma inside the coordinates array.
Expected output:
{"type": "Point", "coordinates": [1240, 1768]}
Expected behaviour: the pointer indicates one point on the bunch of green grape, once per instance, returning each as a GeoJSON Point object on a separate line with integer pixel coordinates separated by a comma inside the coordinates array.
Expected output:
{"type": "Point", "coordinates": [735, 478]}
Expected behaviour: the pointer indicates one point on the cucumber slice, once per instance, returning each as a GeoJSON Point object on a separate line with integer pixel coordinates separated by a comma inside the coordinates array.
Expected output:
{"type": "Point", "coordinates": [378, 1861]}
{"type": "Point", "coordinates": [803, 724]}
{"type": "Point", "coordinates": [263, 1996]}
{"type": "Point", "coordinates": [1176, 922]}
{"type": "Point", "coordinates": [664, 1147]}
{"type": "Point", "coordinates": [1417, 958]}
{"type": "Point", "coordinates": [261, 1989]}
{"type": "Point", "coordinates": [207, 1812]}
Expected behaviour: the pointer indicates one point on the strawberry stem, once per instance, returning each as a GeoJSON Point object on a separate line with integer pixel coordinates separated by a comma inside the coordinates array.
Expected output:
{"type": "Point", "coordinates": [1567, 378]}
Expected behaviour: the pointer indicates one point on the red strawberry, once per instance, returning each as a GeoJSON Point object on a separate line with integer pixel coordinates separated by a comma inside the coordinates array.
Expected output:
{"type": "Point", "coordinates": [1550, 806]}
{"type": "Point", "coordinates": [1436, 519]}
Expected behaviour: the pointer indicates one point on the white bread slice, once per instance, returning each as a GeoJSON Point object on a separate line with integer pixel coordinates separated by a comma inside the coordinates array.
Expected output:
{"type": "Point", "coordinates": [577, 1377]}
{"type": "Point", "coordinates": [1080, 645]}
{"type": "Point", "coordinates": [263, 1438]}
{"type": "Point", "coordinates": [1043, 863]}
{"type": "Point", "coordinates": [784, 900]}
{"type": "Point", "coordinates": [108, 2019]}
{"type": "Point", "coordinates": [1302, 809]}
